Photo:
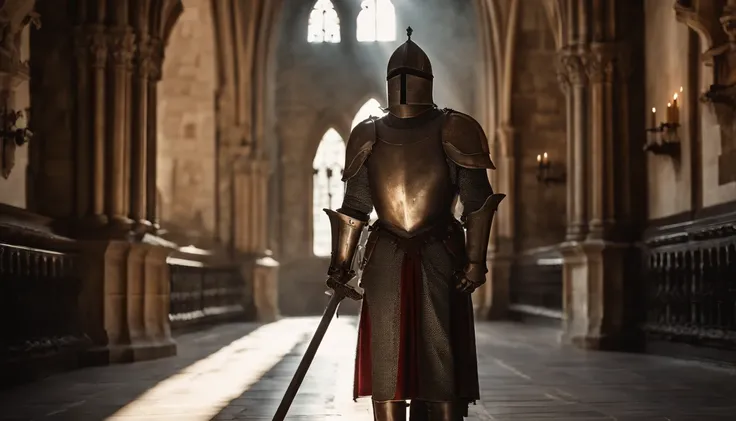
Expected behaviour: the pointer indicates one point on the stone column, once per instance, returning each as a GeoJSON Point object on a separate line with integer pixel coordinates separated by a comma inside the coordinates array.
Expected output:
{"type": "Point", "coordinates": [495, 295]}
{"type": "Point", "coordinates": [265, 289]}
{"type": "Point", "coordinates": [154, 77]}
{"type": "Point", "coordinates": [122, 40]}
{"type": "Point", "coordinates": [579, 135]}
{"type": "Point", "coordinates": [99, 49]}
{"type": "Point", "coordinates": [595, 263]}
{"type": "Point", "coordinates": [251, 200]}
{"type": "Point", "coordinates": [599, 67]}
{"type": "Point", "coordinates": [139, 138]}
{"type": "Point", "coordinates": [251, 176]}
{"type": "Point", "coordinates": [563, 78]}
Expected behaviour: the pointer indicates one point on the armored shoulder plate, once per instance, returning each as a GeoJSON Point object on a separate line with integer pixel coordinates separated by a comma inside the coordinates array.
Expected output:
{"type": "Point", "coordinates": [359, 147]}
{"type": "Point", "coordinates": [464, 141]}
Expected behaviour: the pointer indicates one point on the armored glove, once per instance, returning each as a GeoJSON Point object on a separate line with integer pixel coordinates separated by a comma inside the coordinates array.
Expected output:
{"type": "Point", "coordinates": [346, 232]}
{"type": "Point", "coordinates": [478, 227]}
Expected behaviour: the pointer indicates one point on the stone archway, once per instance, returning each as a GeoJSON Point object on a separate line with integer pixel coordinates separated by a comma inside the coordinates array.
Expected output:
{"type": "Point", "coordinates": [508, 33]}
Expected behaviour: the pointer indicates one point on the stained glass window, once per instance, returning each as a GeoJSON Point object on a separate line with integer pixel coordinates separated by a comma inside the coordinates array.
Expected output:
{"type": "Point", "coordinates": [324, 23]}
{"type": "Point", "coordinates": [328, 188]}
{"type": "Point", "coordinates": [377, 21]}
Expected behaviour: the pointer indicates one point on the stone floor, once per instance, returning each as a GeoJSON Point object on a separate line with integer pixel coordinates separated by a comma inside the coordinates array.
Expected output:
{"type": "Point", "coordinates": [239, 371]}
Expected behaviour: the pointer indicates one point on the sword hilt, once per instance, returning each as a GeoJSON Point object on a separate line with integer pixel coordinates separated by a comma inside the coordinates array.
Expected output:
{"type": "Point", "coordinates": [343, 289]}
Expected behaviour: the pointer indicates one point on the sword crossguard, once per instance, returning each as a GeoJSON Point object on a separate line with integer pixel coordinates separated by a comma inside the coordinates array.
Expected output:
{"type": "Point", "coordinates": [344, 289]}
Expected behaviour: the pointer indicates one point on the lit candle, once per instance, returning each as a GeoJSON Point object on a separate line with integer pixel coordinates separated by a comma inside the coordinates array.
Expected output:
{"type": "Point", "coordinates": [675, 110]}
{"type": "Point", "coordinates": [545, 158]}
{"type": "Point", "coordinates": [669, 113]}
{"type": "Point", "coordinates": [539, 159]}
{"type": "Point", "coordinates": [654, 118]}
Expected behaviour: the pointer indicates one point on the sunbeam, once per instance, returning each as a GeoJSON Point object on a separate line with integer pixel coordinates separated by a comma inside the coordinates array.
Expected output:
{"type": "Point", "coordinates": [201, 390]}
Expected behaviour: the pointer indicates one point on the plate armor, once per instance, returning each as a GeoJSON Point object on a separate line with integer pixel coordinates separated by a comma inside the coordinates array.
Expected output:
{"type": "Point", "coordinates": [416, 339]}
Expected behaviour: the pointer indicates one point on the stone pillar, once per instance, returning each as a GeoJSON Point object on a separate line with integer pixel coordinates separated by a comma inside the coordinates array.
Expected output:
{"type": "Point", "coordinates": [266, 289]}
{"type": "Point", "coordinates": [577, 180]}
{"type": "Point", "coordinates": [595, 261]}
{"type": "Point", "coordinates": [154, 77]}
{"type": "Point", "coordinates": [126, 315]}
{"type": "Point", "coordinates": [98, 45]}
{"type": "Point", "coordinates": [251, 201]}
{"type": "Point", "coordinates": [494, 296]}
{"type": "Point", "coordinates": [122, 40]}
{"type": "Point", "coordinates": [251, 176]}
{"type": "Point", "coordinates": [139, 135]}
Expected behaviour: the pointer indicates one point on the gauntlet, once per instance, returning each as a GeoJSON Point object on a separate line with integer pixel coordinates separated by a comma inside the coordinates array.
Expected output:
{"type": "Point", "coordinates": [346, 232]}
{"type": "Point", "coordinates": [478, 232]}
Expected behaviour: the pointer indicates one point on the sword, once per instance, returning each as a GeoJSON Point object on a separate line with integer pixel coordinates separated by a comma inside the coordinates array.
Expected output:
{"type": "Point", "coordinates": [339, 292]}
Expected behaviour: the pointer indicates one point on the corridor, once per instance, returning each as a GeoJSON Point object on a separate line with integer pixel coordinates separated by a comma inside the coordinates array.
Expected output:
{"type": "Point", "coordinates": [239, 371]}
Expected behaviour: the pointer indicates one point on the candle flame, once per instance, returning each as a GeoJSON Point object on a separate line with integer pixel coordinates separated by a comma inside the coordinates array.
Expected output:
{"type": "Point", "coordinates": [675, 97]}
{"type": "Point", "coordinates": [669, 105]}
{"type": "Point", "coordinates": [545, 155]}
{"type": "Point", "coordinates": [680, 88]}
{"type": "Point", "coordinates": [539, 158]}
{"type": "Point", "coordinates": [654, 110]}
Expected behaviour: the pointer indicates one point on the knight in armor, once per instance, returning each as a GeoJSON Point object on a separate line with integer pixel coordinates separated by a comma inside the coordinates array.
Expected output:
{"type": "Point", "coordinates": [416, 339]}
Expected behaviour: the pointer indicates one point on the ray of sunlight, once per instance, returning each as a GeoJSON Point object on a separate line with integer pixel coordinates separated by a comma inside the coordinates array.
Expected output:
{"type": "Point", "coordinates": [207, 386]}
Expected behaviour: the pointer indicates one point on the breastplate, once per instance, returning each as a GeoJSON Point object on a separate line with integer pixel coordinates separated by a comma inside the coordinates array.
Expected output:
{"type": "Point", "coordinates": [409, 176]}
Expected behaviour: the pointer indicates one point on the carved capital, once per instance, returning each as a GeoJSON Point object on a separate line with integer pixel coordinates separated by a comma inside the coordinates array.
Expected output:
{"type": "Point", "coordinates": [144, 56]}
{"type": "Point", "coordinates": [562, 77]}
{"type": "Point", "coordinates": [122, 46]}
{"type": "Point", "coordinates": [95, 41]}
{"type": "Point", "coordinates": [600, 63]}
{"type": "Point", "coordinates": [157, 59]}
{"type": "Point", "coordinates": [574, 68]}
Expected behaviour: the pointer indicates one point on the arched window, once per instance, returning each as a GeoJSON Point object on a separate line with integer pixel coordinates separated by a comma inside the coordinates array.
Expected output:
{"type": "Point", "coordinates": [328, 188]}
{"type": "Point", "coordinates": [370, 109]}
{"type": "Point", "coordinates": [324, 23]}
{"type": "Point", "coordinates": [377, 21]}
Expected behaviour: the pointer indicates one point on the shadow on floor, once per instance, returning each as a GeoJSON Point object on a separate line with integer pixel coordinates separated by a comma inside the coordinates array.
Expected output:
{"type": "Point", "coordinates": [97, 393]}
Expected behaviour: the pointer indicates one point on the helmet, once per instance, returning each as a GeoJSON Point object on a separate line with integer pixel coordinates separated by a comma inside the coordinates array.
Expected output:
{"type": "Point", "coordinates": [409, 80]}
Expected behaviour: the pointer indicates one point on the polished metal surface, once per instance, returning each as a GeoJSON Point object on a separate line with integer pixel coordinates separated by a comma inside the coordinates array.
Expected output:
{"type": "Point", "coordinates": [346, 232]}
{"type": "Point", "coordinates": [478, 226]}
{"type": "Point", "coordinates": [409, 81]}
{"type": "Point", "coordinates": [409, 176]}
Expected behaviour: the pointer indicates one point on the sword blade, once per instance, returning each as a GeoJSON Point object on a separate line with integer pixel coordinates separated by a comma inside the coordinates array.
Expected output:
{"type": "Point", "coordinates": [301, 371]}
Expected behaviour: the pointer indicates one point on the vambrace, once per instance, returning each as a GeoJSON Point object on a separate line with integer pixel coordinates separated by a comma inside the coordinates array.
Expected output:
{"type": "Point", "coordinates": [346, 231]}
{"type": "Point", "coordinates": [478, 227]}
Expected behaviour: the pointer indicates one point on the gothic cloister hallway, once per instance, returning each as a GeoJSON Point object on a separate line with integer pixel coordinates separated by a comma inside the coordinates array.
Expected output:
{"type": "Point", "coordinates": [239, 371]}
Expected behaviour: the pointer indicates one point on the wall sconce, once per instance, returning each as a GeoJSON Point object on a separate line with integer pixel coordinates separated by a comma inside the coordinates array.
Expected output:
{"type": "Point", "coordinates": [664, 139]}
{"type": "Point", "coordinates": [14, 132]}
{"type": "Point", "coordinates": [545, 173]}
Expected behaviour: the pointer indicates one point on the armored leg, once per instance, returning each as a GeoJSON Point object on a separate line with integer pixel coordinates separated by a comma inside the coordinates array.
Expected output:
{"type": "Point", "coordinates": [389, 411]}
{"type": "Point", "coordinates": [435, 411]}
{"type": "Point", "coordinates": [444, 411]}
{"type": "Point", "coordinates": [418, 411]}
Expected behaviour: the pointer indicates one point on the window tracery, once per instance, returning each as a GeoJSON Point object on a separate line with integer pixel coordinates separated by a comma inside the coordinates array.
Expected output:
{"type": "Point", "coordinates": [324, 23]}
{"type": "Point", "coordinates": [376, 21]}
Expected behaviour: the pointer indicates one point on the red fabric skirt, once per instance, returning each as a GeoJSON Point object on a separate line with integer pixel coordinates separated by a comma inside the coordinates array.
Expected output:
{"type": "Point", "coordinates": [408, 373]}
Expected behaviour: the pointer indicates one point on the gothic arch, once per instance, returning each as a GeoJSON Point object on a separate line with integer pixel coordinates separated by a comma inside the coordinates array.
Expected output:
{"type": "Point", "coordinates": [338, 120]}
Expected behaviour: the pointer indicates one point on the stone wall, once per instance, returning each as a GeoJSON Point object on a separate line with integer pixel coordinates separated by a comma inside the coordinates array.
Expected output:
{"type": "Point", "coordinates": [319, 86]}
{"type": "Point", "coordinates": [538, 115]}
{"type": "Point", "coordinates": [13, 190]}
{"type": "Point", "coordinates": [186, 124]}
{"type": "Point", "coordinates": [667, 69]}
{"type": "Point", "coordinates": [673, 60]}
